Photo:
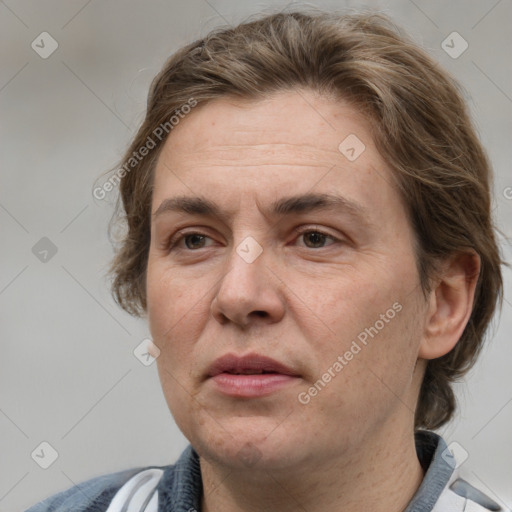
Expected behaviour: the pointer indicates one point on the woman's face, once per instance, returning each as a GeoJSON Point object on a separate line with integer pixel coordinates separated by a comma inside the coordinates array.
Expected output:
{"type": "Point", "coordinates": [294, 246]}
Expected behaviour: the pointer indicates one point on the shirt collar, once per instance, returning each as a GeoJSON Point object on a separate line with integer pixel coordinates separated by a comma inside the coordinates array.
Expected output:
{"type": "Point", "coordinates": [436, 461]}
{"type": "Point", "coordinates": [181, 487]}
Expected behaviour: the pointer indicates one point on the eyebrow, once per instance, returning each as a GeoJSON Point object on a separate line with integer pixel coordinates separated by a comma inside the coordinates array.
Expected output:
{"type": "Point", "coordinates": [304, 203]}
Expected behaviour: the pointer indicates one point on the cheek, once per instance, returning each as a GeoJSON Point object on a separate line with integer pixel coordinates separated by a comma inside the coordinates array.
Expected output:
{"type": "Point", "coordinates": [177, 312]}
{"type": "Point", "coordinates": [169, 302]}
{"type": "Point", "coordinates": [373, 323]}
{"type": "Point", "coordinates": [372, 380]}
{"type": "Point", "coordinates": [179, 395]}
{"type": "Point", "coordinates": [389, 350]}
{"type": "Point", "coordinates": [340, 307]}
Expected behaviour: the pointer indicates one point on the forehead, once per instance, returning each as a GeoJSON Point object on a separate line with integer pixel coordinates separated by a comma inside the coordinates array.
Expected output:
{"type": "Point", "coordinates": [311, 123]}
{"type": "Point", "coordinates": [290, 143]}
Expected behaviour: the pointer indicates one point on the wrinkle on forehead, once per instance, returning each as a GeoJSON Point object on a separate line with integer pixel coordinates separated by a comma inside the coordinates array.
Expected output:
{"type": "Point", "coordinates": [226, 121]}
{"type": "Point", "coordinates": [253, 157]}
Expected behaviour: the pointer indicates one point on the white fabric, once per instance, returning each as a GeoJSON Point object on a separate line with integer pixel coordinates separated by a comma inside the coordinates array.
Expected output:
{"type": "Point", "coordinates": [450, 501]}
{"type": "Point", "coordinates": [153, 504]}
{"type": "Point", "coordinates": [138, 494]}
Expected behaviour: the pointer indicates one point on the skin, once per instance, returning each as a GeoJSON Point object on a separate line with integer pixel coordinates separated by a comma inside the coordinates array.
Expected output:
{"type": "Point", "coordinates": [302, 301]}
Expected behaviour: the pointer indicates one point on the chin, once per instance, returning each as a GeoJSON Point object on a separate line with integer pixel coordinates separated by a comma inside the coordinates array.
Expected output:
{"type": "Point", "coordinates": [241, 443]}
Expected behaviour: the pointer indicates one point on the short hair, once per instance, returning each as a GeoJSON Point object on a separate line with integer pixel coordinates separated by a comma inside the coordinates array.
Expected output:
{"type": "Point", "coordinates": [420, 125]}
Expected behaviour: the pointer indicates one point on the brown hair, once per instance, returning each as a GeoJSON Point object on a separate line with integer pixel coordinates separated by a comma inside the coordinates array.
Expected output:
{"type": "Point", "coordinates": [420, 125]}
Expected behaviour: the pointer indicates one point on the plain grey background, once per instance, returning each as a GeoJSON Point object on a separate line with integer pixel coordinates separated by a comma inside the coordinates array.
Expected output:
{"type": "Point", "coordinates": [68, 375]}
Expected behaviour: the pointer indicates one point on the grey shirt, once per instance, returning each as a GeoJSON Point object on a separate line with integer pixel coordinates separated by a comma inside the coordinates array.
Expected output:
{"type": "Point", "coordinates": [180, 488]}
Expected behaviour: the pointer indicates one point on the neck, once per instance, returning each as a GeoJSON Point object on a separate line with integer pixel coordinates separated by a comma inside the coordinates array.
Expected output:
{"type": "Point", "coordinates": [381, 475]}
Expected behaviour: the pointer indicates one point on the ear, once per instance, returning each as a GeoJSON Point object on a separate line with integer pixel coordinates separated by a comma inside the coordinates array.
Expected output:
{"type": "Point", "coordinates": [450, 304]}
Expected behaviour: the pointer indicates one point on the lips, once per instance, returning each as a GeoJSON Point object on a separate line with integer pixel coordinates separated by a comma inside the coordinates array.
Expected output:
{"type": "Point", "coordinates": [251, 364]}
{"type": "Point", "coordinates": [250, 376]}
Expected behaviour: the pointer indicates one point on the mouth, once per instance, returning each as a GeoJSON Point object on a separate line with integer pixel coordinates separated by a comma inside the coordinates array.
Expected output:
{"type": "Point", "coordinates": [250, 376]}
{"type": "Point", "coordinates": [249, 372]}
{"type": "Point", "coordinates": [251, 364]}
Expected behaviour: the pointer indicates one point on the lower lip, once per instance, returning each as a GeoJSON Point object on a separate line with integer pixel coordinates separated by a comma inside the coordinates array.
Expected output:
{"type": "Point", "coordinates": [248, 386]}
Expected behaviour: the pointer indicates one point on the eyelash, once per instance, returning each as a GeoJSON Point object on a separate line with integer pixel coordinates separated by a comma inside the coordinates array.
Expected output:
{"type": "Point", "coordinates": [174, 240]}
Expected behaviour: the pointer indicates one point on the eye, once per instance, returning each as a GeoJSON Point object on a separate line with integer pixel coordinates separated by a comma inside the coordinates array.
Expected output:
{"type": "Point", "coordinates": [192, 240]}
{"type": "Point", "coordinates": [315, 239]}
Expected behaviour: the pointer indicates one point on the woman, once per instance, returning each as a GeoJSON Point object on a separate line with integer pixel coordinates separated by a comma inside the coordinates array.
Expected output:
{"type": "Point", "coordinates": [299, 240]}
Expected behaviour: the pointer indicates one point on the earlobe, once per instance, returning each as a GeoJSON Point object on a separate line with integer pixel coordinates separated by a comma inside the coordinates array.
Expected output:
{"type": "Point", "coordinates": [450, 305]}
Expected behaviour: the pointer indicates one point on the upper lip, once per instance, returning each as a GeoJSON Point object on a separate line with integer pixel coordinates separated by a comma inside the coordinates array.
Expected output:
{"type": "Point", "coordinates": [250, 363]}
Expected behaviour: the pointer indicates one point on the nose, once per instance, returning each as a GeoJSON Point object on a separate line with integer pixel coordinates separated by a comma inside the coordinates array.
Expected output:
{"type": "Point", "coordinates": [248, 292]}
